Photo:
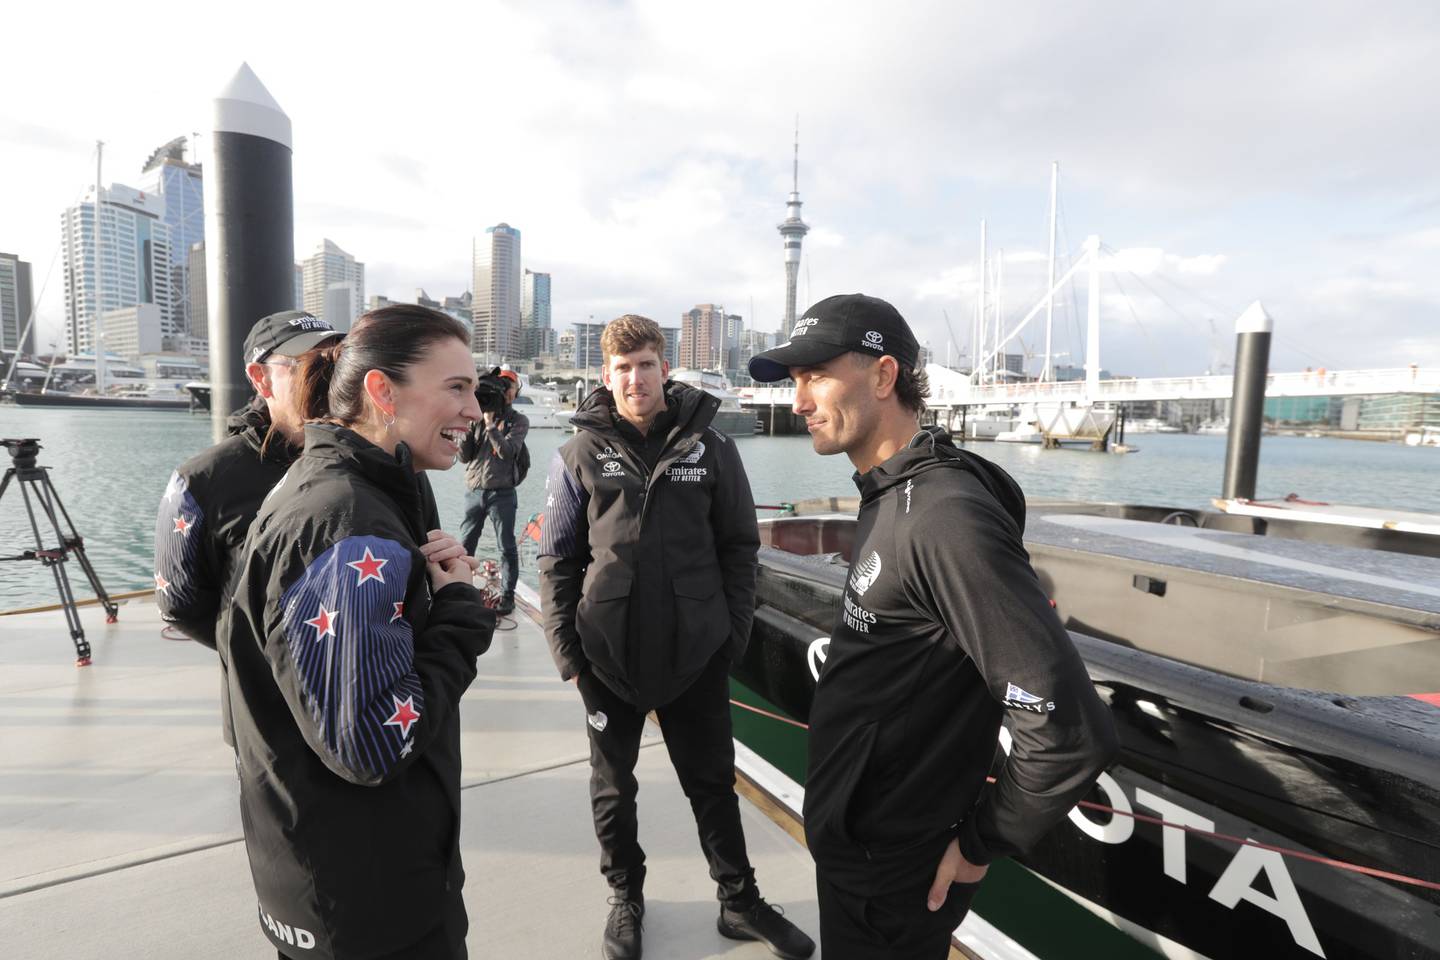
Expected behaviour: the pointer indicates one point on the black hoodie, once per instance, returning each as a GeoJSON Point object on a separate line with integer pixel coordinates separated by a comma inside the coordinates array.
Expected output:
{"type": "Point", "coordinates": [648, 555]}
{"type": "Point", "coordinates": [945, 627]}
{"type": "Point", "coordinates": [349, 791]}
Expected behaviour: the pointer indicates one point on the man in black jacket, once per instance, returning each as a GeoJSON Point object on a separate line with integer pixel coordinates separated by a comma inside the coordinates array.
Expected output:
{"type": "Point", "coordinates": [647, 564]}
{"type": "Point", "coordinates": [212, 497]}
{"type": "Point", "coordinates": [944, 628]}
{"type": "Point", "coordinates": [491, 451]}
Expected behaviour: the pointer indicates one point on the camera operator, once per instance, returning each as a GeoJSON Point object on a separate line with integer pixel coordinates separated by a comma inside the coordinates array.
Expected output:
{"type": "Point", "coordinates": [496, 462]}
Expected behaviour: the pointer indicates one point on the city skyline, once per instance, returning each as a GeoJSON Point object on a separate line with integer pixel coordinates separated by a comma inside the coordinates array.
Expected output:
{"type": "Point", "coordinates": [1183, 141]}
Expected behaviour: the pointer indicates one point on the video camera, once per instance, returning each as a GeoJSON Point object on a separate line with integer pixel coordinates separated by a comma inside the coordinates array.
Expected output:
{"type": "Point", "coordinates": [22, 450]}
{"type": "Point", "coordinates": [490, 391]}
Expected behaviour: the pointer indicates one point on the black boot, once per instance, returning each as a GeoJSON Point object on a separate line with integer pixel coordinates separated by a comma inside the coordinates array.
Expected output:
{"type": "Point", "coordinates": [623, 928]}
{"type": "Point", "coordinates": [507, 605]}
{"type": "Point", "coordinates": [768, 925]}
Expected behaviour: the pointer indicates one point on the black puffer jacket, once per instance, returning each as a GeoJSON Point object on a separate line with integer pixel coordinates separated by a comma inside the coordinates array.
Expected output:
{"type": "Point", "coordinates": [346, 677]}
{"type": "Point", "coordinates": [646, 573]}
{"type": "Point", "coordinates": [204, 516]}
{"type": "Point", "coordinates": [944, 628]}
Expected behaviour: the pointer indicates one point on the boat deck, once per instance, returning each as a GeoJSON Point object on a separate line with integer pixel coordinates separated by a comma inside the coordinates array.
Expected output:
{"type": "Point", "coordinates": [120, 832]}
{"type": "Point", "coordinates": [1408, 584]}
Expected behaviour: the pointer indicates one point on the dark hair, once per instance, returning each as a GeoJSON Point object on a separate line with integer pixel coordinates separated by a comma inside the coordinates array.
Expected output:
{"type": "Point", "coordinates": [912, 385]}
{"type": "Point", "coordinates": [391, 340]}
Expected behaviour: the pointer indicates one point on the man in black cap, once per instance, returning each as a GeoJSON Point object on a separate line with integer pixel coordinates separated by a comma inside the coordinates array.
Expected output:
{"type": "Point", "coordinates": [213, 496]}
{"type": "Point", "coordinates": [944, 629]}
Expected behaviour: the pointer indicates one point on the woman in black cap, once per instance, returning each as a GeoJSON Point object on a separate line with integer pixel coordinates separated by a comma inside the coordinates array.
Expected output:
{"type": "Point", "coordinates": [353, 635]}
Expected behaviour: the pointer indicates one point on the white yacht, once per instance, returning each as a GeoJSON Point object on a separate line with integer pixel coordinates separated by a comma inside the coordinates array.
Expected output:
{"type": "Point", "coordinates": [731, 419]}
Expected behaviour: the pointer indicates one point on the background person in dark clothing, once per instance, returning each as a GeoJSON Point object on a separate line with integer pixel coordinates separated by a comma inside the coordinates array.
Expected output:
{"type": "Point", "coordinates": [944, 629]}
{"type": "Point", "coordinates": [352, 636]}
{"type": "Point", "coordinates": [212, 497]}
{"type": "Point", "coordinates": [491, 452]}
{"type": "Point", "coordinates": [648, 563]}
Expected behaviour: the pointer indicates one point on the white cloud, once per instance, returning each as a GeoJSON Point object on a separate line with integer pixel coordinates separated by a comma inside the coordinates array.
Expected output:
{"type": "Point", "coordinates": [644, 149]}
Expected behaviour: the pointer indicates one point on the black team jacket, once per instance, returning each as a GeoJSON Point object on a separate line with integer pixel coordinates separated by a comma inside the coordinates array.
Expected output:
{"type": "Point", "coordinates": [648, 550]}
{"type": "Point", "coordinates": [944, 628]}
{"type": "Point", "coordinates": [345, 678]}
{"type": "Point", "coordinates": [203, 518]}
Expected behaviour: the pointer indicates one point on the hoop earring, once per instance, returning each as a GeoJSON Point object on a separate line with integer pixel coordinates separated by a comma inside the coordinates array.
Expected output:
{"type": "Point", "coordinates": [389, 421]}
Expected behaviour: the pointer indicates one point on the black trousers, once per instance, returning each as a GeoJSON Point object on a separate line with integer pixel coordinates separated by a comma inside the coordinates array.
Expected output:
{"type": "Point", "coordinates": [696, 726]}
{"type": "Point", "coordinates": [891, 926]}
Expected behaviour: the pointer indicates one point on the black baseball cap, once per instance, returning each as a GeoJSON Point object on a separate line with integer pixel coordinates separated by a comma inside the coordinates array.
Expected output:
{"type": "Point", "coordinates": [845, 323]}
{"type": "Point", "coordinates": [288, 333]}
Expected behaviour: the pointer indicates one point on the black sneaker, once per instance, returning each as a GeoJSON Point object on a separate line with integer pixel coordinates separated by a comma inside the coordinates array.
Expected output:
{"type": "Point", "coordinates": [507, 605]}
{"type": "Point", "coordinates": [768, 925]}
{"type": "Point", "coordinates": [622, 930]}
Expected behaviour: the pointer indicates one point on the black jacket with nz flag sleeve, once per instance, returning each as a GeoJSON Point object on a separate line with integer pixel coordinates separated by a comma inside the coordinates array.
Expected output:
{"type": "Point", "coordinates": [346, 674]}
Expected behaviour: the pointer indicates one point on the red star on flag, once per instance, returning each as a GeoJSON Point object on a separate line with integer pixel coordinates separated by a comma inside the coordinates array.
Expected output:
{"type": "Point", "coordinates": [323, 622]}
{"type": "Point", "coordinates": [182, 525]}
{"type": "Point", "coordinates": [399, 610]}
{"type": "Point", "coordinates": [404, 716]}
{"type": "Point", "coordinates": [368, 567]}
{"type": "Point", "coordinates": [161, 583]}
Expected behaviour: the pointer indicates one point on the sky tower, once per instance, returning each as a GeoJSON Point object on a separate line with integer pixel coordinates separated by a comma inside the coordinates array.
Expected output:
{"type": "Point", "coordinates": [792, 231]}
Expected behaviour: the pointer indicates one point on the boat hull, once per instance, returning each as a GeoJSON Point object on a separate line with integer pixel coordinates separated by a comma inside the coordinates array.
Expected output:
{"type": "Point", "coordinates": [100, 402]}
{"type": "Point", "coordinates": [1354, 779]}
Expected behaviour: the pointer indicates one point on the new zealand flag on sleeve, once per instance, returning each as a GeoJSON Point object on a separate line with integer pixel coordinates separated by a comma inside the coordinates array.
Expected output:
{"type": "Point", "coordinates": [179, 527]}
{"type": "Point", "coordinates": [353, 650]}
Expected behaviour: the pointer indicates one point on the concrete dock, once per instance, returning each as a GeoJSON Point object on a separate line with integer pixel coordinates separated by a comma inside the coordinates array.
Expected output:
{"type": "Point", "coordinates": [120, 830]}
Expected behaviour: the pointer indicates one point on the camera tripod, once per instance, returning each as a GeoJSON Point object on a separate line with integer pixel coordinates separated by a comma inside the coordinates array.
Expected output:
{"type": "Point", "coordinates": [37, 491]}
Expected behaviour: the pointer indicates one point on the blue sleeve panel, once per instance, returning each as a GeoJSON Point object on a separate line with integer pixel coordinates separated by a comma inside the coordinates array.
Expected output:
{"type": "Point", "coordinates": [185, 588]}
{"type": "Point", "coordinates": [565, 531]}
{"type": "Point", "coordinates": [354, 655]}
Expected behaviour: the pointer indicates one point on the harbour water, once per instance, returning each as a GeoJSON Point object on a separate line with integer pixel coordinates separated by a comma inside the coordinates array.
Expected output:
{"type": "Point", "coordinates": [110, 468]}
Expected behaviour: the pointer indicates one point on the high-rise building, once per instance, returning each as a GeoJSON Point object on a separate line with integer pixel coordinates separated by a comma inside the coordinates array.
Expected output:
{"type": "Point", "coordinates": [340, 302]}
{"type": "Point", "coordinates": [565, 348]}
{"type": "Point", "coordinates": [299, 287]}
{"type": "Point", "coordinates": [672, 345]}
{"type": "Point", "coordinates": [588, 353]}
{"type": "Point", "coordinates": [731, 335]}
{"type": "Point", "coordinates": [497, 293]}
{"type": "Point", "coordinates": [135, 247]}
{"type": "Point", "coordinates": [702, 333]}
{"type": "Point", "coordinates": [181, 185]}
{"type": "Point", "coordinates": [323, 270]}
{"type": "Point", "coordinates": [199, 306]}
{"type": "Point", "coordinates": [792, 232]}
{"type": "Point", "coordinates": [535, 314]}
{"type": "Point", "coordinates": [131, 331]}
{"type": "Point", "coordinates": [16, 302]}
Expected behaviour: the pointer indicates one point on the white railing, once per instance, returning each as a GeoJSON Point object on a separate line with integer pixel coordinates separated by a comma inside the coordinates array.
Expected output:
{"type": "Point", "coordinates": [1311, 383]}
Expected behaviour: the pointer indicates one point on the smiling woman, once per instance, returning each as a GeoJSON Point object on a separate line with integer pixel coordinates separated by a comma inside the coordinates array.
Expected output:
{"type": "Point", "coordinates": [346, 602]}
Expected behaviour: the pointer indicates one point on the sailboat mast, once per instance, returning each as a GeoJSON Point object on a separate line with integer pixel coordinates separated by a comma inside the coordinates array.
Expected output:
{"type": "Point", "coordinates": [977, 342]}
{"type": "Point", "coordinates": [1050, 285]}
{"type": "Point", "coordinates": [98, 327]}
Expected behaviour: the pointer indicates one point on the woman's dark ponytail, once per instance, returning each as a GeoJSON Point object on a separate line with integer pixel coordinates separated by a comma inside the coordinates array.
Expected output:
{"type": "Point", "coordinates": [391, 340]}
{"type": "Point", "coordinates": [316, 372]}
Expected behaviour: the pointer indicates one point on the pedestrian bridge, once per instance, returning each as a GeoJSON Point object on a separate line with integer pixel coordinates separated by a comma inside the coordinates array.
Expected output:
{"type": "Point", "coordinates": [950, 388]}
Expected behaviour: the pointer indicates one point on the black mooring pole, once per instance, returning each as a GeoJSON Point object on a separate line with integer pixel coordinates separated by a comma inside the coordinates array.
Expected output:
{"type": "Point", "coordinates": [1247, 402]}
{"type": "Point", "coordinates": [249, 232]}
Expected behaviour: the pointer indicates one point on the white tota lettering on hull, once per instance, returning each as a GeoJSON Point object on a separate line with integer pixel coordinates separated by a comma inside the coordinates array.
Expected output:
{"type": "Point", "coordinates": [1236, 883]}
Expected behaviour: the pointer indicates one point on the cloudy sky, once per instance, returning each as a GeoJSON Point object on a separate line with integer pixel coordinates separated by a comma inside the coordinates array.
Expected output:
{"type": "Point", "coordinates": [1224, 152]}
